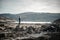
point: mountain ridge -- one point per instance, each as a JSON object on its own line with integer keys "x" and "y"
{"x": 33, "y": 16}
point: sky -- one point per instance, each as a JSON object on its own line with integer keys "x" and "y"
{"x": 19, "y": 6}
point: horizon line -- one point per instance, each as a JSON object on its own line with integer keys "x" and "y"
{"x": 25, "y": 12}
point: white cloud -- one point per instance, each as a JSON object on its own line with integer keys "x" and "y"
{"x": 18, "y": 6}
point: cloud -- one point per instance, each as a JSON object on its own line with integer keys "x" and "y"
{"x": 18, "y": 6}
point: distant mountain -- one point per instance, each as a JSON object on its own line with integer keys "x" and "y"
{"x": 11, "y": 16}
{"x": 33, "y": 16}
{"x": 5, "y": 19}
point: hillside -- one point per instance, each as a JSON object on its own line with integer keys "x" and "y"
{"x": 6, "y": 19}
{"x": 32, "y": 16}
